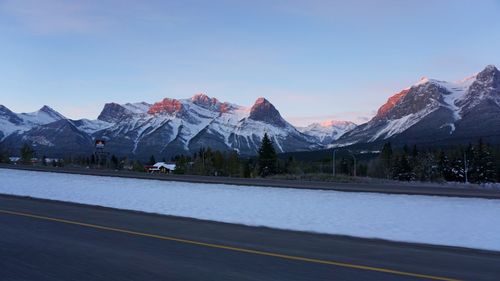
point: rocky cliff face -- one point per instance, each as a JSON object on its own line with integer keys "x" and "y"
{"x": 165, "y": 128}
{"x": 437, "y": 112}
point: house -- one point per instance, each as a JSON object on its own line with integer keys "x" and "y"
{"x": 161, "y": 167}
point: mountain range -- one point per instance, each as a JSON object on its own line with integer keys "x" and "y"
{"x": 430, "y": 112}
{"x": 167, "y": 128}
{"x": 434, "y": 112}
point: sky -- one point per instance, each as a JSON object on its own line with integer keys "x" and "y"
{"x": 314, "y": 60}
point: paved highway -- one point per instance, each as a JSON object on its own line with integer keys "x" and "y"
{"x": 48, "y": 240}
{"x": 378, "y": 187}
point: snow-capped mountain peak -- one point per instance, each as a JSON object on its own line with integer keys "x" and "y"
{"x": 264, "y": 111}
{"x": 432, "y": 109}
{"x": 44, "y": 115}
{"x": 327, "y": 131}
{"x": 166, "y": 106}
{"x": 11, "y": 122}
{"x": 214, "y": 104}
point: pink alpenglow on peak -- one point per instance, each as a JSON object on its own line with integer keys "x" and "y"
{"x": 167, "y": 105}
{"x": 211, "y": 103}
{"x": 335, "y": 123}
{"x": 203, "y": 99}
{"x": 391, "y": 102}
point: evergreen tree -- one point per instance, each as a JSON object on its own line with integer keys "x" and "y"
{"x": 414, "y": 152}
{"x": 444, "y": 167}
{"x": 27, "y": 153}
{"x": 152, "y": 160}
{"x": 137, "y": 166}
{"x": 482, "y": 165}
{"x": 114, "y": 162}
{"x": 2, "y": 154}
{"x": 344, "y": 166}
{"x": 248, "y": 167}
{"x": 181, "y": 163}
{"x": 267, "y": 157}
{"x": 233, "y": 164}
{"x": 385, "y": 158}
{"x": 403, "y": 170}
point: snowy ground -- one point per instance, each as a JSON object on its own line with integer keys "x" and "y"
{"x": 466, "y": 222}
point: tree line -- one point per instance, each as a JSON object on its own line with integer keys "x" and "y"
{"x": 475, "y": 163}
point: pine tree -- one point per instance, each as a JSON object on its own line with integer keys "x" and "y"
{"x": 114, "y": 161}
{"x": 234, "y": 164}
{"x": 444, "y": 166}
{"x": 403, "y": 170}
{"x": 137, "y": 166}
{"x": 267, "y": 157}
{"x": 482, "y": 165}
{"x": 152, "y": 160}
{"x": 386, "y": 159}
{"x": 26, "y": 154}
{"x": 180, "y": 164}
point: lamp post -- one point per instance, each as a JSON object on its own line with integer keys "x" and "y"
{"x": 466, "y": 167}
{"x": 353, "y": 157}
{"x": 333, "y": 162}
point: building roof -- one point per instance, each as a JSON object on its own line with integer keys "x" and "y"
{"x": 164, "y": 165}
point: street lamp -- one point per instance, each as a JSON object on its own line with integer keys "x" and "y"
{"x": 333, "y": 162}
{"x": 353, "y": 157}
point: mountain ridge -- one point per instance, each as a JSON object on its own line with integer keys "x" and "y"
{"x": 430, "y": 111}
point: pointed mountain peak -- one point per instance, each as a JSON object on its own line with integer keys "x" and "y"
{"x": 6, "y": 113}
{"x": 488, "y": 77}
{"x": 423, "y": 79}
{"x": 200, "y": 97}
{"x": 264, "y": 111}
{"x": 204, "y": 100}
{"x": 263, "y": 105}
{"x": 211, "y": 103}
{"x": 390, "y": 104}
{"x": 262, "y": 101}
{"x": 166, "y": 106}
{"x": 46, "y": 108}
{"x": 490, "y": 68}
{"x": 3, "y": 108}
{"x": 487, "y": 73}
{"x": 51, "y": 112}
{"x": 112, "y": 112}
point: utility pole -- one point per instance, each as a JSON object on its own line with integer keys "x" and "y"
{"x": 354, "y": 158}
{"x": 333, "y": 163}
{"x": 466, "y": 168}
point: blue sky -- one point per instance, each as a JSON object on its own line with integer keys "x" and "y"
{"x": 314, "y": 60}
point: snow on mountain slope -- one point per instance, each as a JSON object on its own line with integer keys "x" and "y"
{"x": 11, "y": 122}
{"x": 44, "y": 115}
{"x": 174, "y": 126}
{"x": 91, "y": 126}
{"x": 327, "y": 131}
{"x": 432, "y": 109}
{"x": 242, "y": 129}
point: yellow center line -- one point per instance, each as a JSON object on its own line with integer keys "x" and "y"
{"x": 230, "y": 248}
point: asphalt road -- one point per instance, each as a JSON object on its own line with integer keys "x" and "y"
{"x": 391, "y": 187}
{"x": 48, "y": 240}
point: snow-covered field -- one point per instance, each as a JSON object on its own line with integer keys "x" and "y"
{"x": 466, "y": 222}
